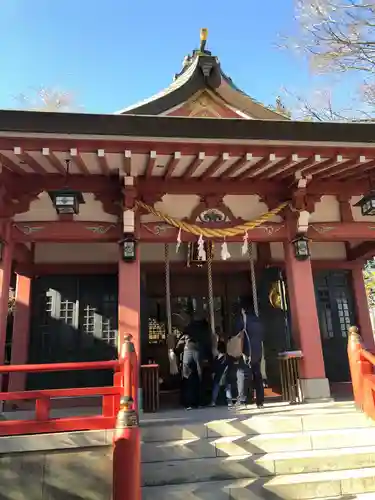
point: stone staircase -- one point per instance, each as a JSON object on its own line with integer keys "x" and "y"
{"x": 286, "y": 452}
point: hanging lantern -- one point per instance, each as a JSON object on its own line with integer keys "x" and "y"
{"x": 193, "y": 253}
{"x": 367, "y": 204}
{"x": 66, "y": 201}
{"x": 301, "y": 248}
{"x": 128, "y": 248}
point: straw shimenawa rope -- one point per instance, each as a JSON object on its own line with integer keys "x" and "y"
{"x": 209, "y": 232}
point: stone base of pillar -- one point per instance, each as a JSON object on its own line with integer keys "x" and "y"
{"x": 315, "y": 390}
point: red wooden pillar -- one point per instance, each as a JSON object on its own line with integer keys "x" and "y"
{"x": 129, "y": 289}
{"x": 5, "y": 276}
{"x": 21, "y": 329}
{"x": 305, "y": 325}
{"x": 362, "y": 309}
{"x": 129, "y": 301}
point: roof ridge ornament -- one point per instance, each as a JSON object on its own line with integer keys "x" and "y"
{"x": 203, "y": 39}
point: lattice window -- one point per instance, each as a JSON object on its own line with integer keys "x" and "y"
{"x": 343, "y": 312}
{"x": 67, "y": 311}
{"x": 88, "y": 325}
{"x": 109, "y": 319}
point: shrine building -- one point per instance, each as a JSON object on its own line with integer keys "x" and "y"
{"x": 181, "y": 204}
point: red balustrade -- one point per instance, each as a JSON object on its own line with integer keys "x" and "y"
{"x": 43, "y": 421}
{"x": 361, "y": 364}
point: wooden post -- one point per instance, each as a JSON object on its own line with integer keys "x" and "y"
{"x": 5, "y": 276}
{"x": 305, "y": 324}
{"x": 21, "y": 329}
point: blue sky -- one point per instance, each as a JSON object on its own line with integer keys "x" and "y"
{"x": 112, "y": 53}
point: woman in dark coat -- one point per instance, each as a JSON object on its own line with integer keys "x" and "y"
{"x": 195, "y": 346}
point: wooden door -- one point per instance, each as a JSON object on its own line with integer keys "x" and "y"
{"x": 74, "y": 318}
{"x": 336, "y": 314}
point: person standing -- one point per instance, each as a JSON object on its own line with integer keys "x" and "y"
{"x": 221, "y": 374}
{"x": 248, "y": 366}
{"x": 192, "y": 344}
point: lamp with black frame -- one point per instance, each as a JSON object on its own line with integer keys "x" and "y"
{"x": 66, "y": 201}
{"x": 128, "y": 247}
{"x": 301, "y": 247}
{"x": 367, "y": 203}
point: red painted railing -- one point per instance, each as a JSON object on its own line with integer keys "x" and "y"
{"x": 43, "y": 422}
{"x": 361, "y": 364}
{"x": 119, "y": 412}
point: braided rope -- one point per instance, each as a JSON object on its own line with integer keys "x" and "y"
{"x": 250, "y": 252}
{"x": 168, "y": 289}
{"x": 210, "y": 291}
{"x": 209, "y": 232}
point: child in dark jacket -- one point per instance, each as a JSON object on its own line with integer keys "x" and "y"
{"x": 221, "y": 374}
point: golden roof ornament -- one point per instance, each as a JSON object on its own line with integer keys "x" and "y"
{"x": 203, "y": 38}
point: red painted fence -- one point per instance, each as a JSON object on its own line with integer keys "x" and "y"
{"x": 361, "y": 364}
{"x": 43, "y": 422}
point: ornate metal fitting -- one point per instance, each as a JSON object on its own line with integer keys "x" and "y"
{"x": 127, "y": 418}
{"x": 354, "y": 334}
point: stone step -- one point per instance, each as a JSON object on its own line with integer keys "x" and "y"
{"x": 245, "y": 466}
{"x": 247, "y": 424}
{"x": 185, "y": 449}
{"x": 340, "y": 484}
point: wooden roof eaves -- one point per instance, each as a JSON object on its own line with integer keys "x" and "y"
{"x": 18, "y": 123}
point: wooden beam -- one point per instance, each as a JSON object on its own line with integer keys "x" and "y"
{"x": 102, "y": 161}
{"x": 280, "y": 166}
{"x": 90, "y": 184}
{"x": 215, "y": 165}
{"x": 78, "y": 162}
{"x": 29, "y": 160}
{"x": 343, "y": 167}
{"x": 150, "y": 163}
{"x": 11, "y": 166}
{"x": 341, "y": 231}
{"x": 236, "y": 166}
{"x": 160, "y": 232}
{"x": 194, "y": 165}
{"x": 255, "y": 169}
{"x": 54, "y": 161}
{"x": 66, "y": 232}
{"x": 300, "y": 166}
{"x": 364, "y": 250}
{"x": 127, "y": 162}
{"x": 323, "y": 166}
{"x": 171, "y": 166}
{"x": 216, "y": 185}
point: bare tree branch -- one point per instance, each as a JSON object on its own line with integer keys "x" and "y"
{"x": 48, "y": 99}
{"x": 337, "y": 36}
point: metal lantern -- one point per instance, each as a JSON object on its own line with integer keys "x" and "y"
{"x": 66, "y": 201}
{"x": 301, "y": 248}
{"x": 129, "y": 248}
{"x": 193, "y": 252}
{"x": 367, "y": 204}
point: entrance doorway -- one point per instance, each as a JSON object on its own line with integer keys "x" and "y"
{"x": 335, "y": 306}
{"x": 189, "y": 294}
